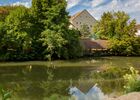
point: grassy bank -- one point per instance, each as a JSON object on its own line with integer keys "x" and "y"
{"x": 81, "y": 62}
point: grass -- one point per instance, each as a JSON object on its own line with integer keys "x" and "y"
{"x": 82, "y": 62}
{"x": 58, "y": 63}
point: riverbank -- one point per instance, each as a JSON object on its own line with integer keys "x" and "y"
{"x": 27, "y": 78}
{"x": 129, "y": 96}
{"x": 81, "y": 62}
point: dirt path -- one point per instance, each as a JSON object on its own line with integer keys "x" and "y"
{"x": 130, "y": 96}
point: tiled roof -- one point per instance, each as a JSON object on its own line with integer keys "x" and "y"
{"x": 3, "y": 11}
{"x": 138, "y": 26}
{"x": 79, "y": 13}
{"x": 94, "y": 44}
{"x": 75, "y": 15}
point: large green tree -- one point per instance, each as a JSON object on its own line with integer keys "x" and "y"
{"x": 17, "y": 40}
{"x": 120, "y": 31}
{"x": 5, "y": 10}
{"x": 115, "y": 25}
{"x": 128, "y": 46}
{"x": 56, "y": 37}
{"x": 39, "y": 32}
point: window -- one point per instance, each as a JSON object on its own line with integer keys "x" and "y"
{"x": 76, "y": 22}
{"x": 80, "y": 22}
{"x": 90, "y": 25}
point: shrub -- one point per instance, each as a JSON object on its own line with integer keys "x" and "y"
{"x": 127, "y": 46}
{"x": 132, "y": 81}
{"x": 110, "y": 72}
{"x": 5, "y": 94}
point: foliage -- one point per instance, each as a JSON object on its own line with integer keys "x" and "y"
{"x": 37, "y": 33}
{"x": 5, "y": 94}
{"x": 73, "y": 46}
{"x": 54, "y": 42}
{"x": 57, "y": 38}
{"x": 132, "y": 81}
{"x": 110, "y": 72}
{"x": 2, "y": 30}
{"x": 53, "y": 37}
{"x": 120, "y": 31}
{"x": 5, "y": 10}
{"x": 127, "y": 46}
{"x": 85, "y": 32}
{"x": 116, "y": 25}
{"x": 59, "y": 46}
{"x": 57, "y": 97}
{"x": 17, "y": 39}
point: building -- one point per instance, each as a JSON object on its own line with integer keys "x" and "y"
{"x": 82, "y": 18}
{"x": 138, "y": 30}
{"x": 91, "y": 46}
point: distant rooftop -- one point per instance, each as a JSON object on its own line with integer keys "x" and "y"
{"x": 138, "y": 26}
{"x": 94, "y": 44}
{"x": 79, "y": 13}
{"x": 75, "y": 15}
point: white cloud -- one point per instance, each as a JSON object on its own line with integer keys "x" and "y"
{"x": 97, "y": 2}
{"x": 131, "y": 7}
{"x": 86, "y": 4}
{"x": 72, "y": 3}
{"x": 25, "y": 3}
{"x": 137, "y": 4}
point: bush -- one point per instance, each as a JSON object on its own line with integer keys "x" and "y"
{"x": 5, "y": 94}
{"x": 110, "y": 72}
{"x": 132, "y": 81}
{"x": 127, "y": 46}
{"x": 57, "y": 97}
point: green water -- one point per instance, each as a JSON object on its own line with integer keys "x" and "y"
{"x": 36, "y": 80}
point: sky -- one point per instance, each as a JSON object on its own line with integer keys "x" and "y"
{"x": 95, "y": 7}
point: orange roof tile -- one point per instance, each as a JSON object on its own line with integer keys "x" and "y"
{"x": 94, "y": 44}
{"x": 75, "y": 15}
{"x": 138, "y": 26}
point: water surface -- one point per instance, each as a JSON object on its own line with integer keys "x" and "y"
{"x": 39, "y": 79}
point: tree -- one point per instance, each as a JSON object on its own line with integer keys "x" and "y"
{"x": 55, "y": 36}
{"x": 85, "y": 32}
{"x": 17, "y": 40}
{"x": 115, "y": 25}
{"x": 39, "y": 32}
{"x": 127, "y": 46}
{"x": 120, "y": 31}
{"x": 5, "y": 10}
{"x": 36, "y": 10}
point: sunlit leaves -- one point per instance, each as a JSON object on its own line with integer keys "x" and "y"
{"x": 115, "y": 25}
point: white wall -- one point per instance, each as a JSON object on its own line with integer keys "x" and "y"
{"x": 138, "y": 33}
{"x": 84, "y": 19}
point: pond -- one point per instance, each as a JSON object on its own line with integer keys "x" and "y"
{"x": 37, "y": 80}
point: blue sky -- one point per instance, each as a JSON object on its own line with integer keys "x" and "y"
{"x": 27, "y": 3}
{"x": 95, "y": 7}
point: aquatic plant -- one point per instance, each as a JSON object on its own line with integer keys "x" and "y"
{"x": 109, "y": 72}
{"x": 5, "y": 94}
{"x": 132, "y": 81}
{"x": 56, "y": 97}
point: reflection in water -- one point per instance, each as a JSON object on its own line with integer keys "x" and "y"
{"x": 94, "y": 93}
{"x": 77, "y": 94}
{"x": 38, "y": 82}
